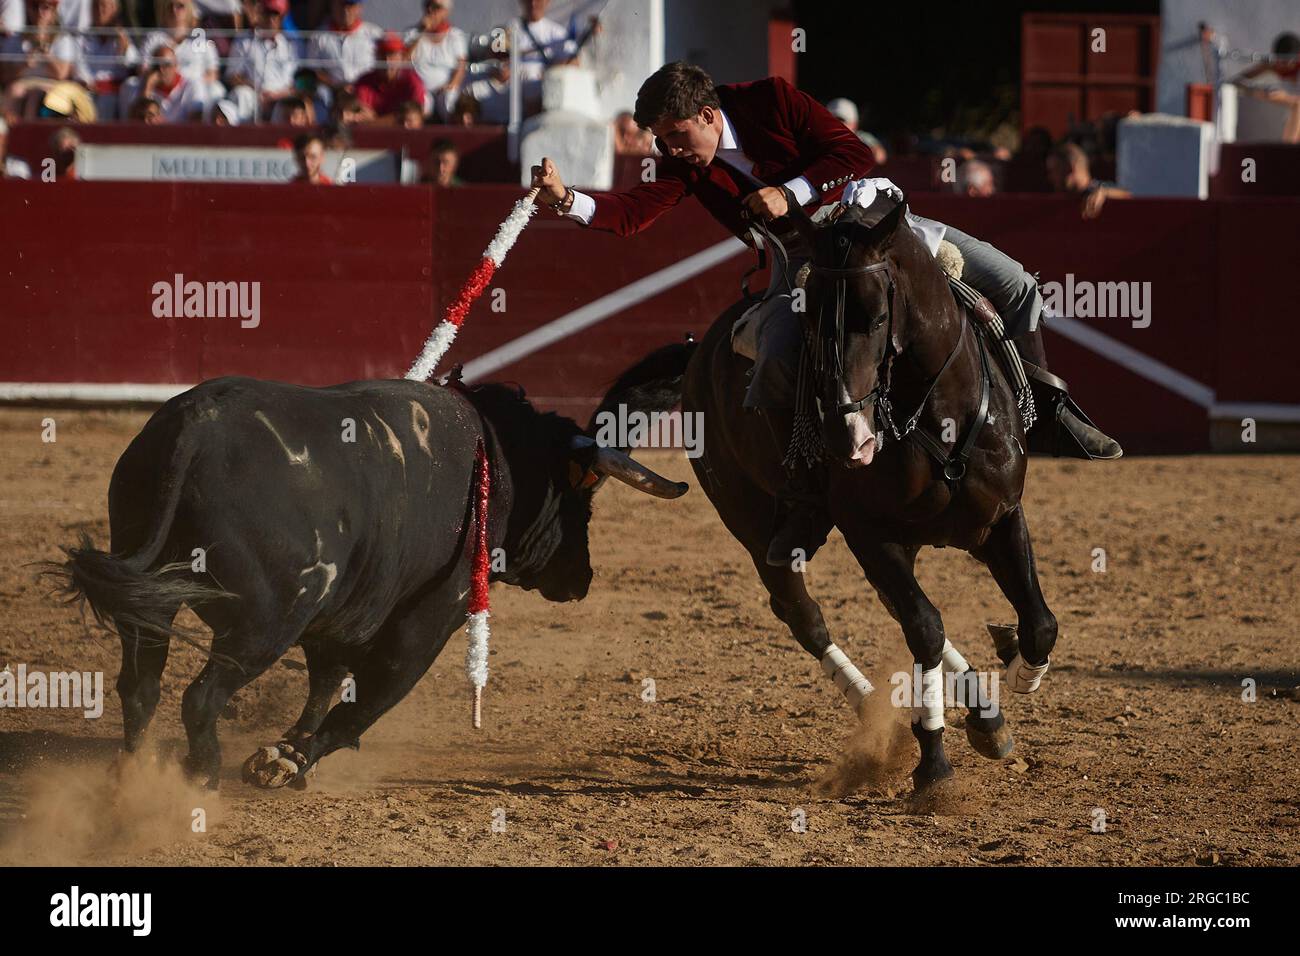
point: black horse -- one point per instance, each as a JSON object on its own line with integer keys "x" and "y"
{"x": 923, "y": 445}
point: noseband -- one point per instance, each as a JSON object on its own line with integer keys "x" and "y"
{"x": 829, "y": 358}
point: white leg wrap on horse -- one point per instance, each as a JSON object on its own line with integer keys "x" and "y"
{"x": 932, "y": 698}
{"x": 851, "y": 682}
{"x": 1025, "y": 678}
{"x": 952, "y": 659}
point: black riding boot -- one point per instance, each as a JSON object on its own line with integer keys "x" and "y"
{"x": 1091, "y": 439}
{"x": 801, "y": 522}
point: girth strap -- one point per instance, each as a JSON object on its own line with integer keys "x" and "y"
{"x": 954, "y": 465}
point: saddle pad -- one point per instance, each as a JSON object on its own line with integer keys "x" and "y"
{"x": 745, "y": 330}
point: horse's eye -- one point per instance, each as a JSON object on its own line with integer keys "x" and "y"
{"x": 878, "y": 321}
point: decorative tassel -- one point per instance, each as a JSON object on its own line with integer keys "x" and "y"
{"x": 453, "y": 318}
{"x": 476, "y": 655}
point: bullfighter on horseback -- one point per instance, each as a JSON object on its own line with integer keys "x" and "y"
{"x": 761, "y": 151}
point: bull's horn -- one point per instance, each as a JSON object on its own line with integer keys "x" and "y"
{"x": 619, "y": 464}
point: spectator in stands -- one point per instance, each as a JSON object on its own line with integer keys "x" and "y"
{"x": 295, "y": 111}
{"x": 180, "y": 100}
{"x": 441, "y": 164}
{"x": 224, "y": 113}
{"x": 349, "y": 110}
{"x": 387, "y": 87}
{"x": 440, "y": 54}
{"x": 146, "y": 110}
{"x": 68, "y": 101}
{"x": 337, "y": 138}
{"x": 107, "y": 59}
{"x": 1026, "y": 173}
{"x": 630, "y": 139}
{"x": 1068, "y": 172}
{"x": 975, "y": 178}
{"x": 466, "y": 111}
{"x": 411, "y": 115}
{"x": 309, "y": 153}
{"x": 10, "y": 167}
{"x": 1287, "y": 91}
{"x": 63, "y": 150}
{"x": 196, "y": 58}
{"x": 48, "y": 56}
{"x": 262, "y": 66}
{"x": 348, "y": 48}
{"x": 543, "y": 43}
{"x": 846, "y": 111}
{"x": 13, "y": 17}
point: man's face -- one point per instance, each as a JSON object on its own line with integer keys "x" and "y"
{"x": 270, "y": 19}
{"x": 694, "y": 140}
{"x": 446, "y": 163}
{"x": 167, "y": 66}
{"x": 105, "y": 10}
{"x": 352, "y": 13}
{"x": 437, "y": 12}
{"x": 310, "y": 158}
{"x": 393, "y": 63}
{"x": 534, "y": 10}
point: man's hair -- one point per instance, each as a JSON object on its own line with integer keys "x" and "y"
{"x": 675, "y": 91}
{"x": 443, "y": 146}
{"x": 303, "y": 140}
{"x": 1286, "y": 44}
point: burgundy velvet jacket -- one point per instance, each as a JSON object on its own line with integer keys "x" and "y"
{"x": 784, "y": 131}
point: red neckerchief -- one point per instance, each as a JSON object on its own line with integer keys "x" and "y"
{"x": 441, "y": 28}
{"x": 168, "y": 90}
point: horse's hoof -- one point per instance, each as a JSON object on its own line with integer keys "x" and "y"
{"x": 928, "y": 778}
{"x": 270, "y": 767}
{"x": 993, "y": 743}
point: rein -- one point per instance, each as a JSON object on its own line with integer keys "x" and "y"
{"x": 953, "y": 465}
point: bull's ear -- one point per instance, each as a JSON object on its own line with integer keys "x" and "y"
{"x": 582, "y": 462}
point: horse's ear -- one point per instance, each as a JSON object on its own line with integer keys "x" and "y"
{"x": 884, "y": 233}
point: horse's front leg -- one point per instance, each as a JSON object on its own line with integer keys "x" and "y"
{"x": 1010, "y": 557}
{"x": 889, "y": 568}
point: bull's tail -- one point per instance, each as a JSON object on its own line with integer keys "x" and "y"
{"x": 126, "y": 591}
{"x": 653, "y": 384}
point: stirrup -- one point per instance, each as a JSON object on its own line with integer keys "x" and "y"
{"x": 1049, "y": 436}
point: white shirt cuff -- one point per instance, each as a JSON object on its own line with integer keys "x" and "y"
{"x": 803, "y": 190}
{"x": 584, "y": 207}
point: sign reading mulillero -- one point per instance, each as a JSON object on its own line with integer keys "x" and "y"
{"x": 227, "y": 164}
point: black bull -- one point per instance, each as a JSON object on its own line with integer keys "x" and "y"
{"x": 340, "y": 518}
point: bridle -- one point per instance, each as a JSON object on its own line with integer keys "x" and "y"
{"x": 828, "y": 359}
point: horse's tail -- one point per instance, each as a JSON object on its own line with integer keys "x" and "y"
{"x": 653, "y": 384}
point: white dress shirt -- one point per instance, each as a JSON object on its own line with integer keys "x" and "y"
{"x": 730, "y": 152}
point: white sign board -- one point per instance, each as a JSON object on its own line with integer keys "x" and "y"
{"x": 229, "y": 164}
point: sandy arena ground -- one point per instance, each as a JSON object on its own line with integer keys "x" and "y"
{"x": 1141, "y": 715}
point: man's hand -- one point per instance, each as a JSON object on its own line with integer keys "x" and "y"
{"x": 767, "y": 203}
{"x": 547, "y": 178}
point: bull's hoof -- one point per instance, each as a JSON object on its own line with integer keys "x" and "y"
{"x": 273, "y": 767}
{"x": 989, "y": 736}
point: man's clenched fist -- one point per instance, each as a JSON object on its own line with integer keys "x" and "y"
{"x": 767, "y": 203}
{"x": 547, "y": 178}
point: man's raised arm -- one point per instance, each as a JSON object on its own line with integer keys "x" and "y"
{"x": 624, "y": 213}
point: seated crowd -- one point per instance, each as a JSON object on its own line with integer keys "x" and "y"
{"x": 76, "y": 60}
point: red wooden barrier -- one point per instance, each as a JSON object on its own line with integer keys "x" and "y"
{"x": 353, "y": 279}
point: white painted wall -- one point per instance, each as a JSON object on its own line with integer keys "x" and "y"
{"x": 1248, "y": 24}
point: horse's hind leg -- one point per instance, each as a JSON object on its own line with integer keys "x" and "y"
{"x": 1010, "y": 557}
{"x": 889, "y": 569}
